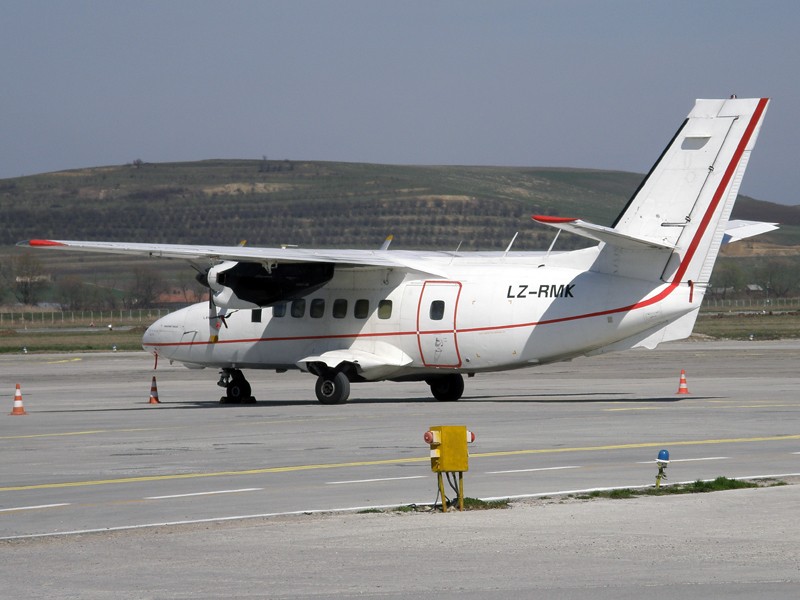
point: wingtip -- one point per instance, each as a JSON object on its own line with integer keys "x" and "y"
{"x": 40, "y": 243}
{"x": 549, "y": 219}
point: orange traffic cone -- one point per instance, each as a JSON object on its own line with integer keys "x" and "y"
{"x": 682, "y": 387}
{"x": 18, "y": 408}
{"x": 154, "y": 392}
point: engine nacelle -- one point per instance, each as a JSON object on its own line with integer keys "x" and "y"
{"x": 245, "y": 285}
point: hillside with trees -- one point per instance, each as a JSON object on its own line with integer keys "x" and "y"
{"x": 309, "y": 204}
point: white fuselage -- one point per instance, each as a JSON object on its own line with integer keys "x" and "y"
{"x": 483, "y": 315}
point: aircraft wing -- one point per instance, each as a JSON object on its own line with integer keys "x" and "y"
{"x": 418, "y": 261}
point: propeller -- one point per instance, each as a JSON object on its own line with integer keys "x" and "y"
{"x": 213, "y": 315}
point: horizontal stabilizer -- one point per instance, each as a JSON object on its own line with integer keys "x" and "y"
{"x": 739, "y": 230}
{"x": 600, "y": 233}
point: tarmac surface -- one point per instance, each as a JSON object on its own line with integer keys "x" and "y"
{"x": 103, "y": 495}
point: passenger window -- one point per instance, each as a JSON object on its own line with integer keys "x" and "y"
{"x": 339, "y": 308}
{"x": 255, "y": 315}
{"x": 298, "y": 308}
{"x": 317, "y": 308}
{"x": 362, "y": 309}
{"x": 384, "y": 309}
{"x": 279, "y": 310}
{"x": 437, "y": 310}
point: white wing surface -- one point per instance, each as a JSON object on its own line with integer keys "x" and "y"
{"x": 424, "y": 262}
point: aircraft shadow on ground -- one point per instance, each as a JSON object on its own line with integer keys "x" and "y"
{"x": 601, "y": 398}
{"x": 580, "y": 398}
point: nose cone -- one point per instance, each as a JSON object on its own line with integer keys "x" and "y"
{"x": 164, "y": 335}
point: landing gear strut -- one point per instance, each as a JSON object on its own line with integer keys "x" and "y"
{"x": 447, "y": 388}
{"x": 237, "y": 388}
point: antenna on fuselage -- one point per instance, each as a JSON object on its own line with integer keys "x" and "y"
{"x": 453, "y": 255}
{"x": 511, "y": 243}
{"x": 553, "y": 243}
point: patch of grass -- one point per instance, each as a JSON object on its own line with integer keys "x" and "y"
{"x": 469, "y": 504}
{"x": 738, "y": 326}
{"x": 621, "y": 494}
{"x": 99, "y": 340}
{"x": 478, "y": 504}
{"x": 698, "y": 487}
{"x": 720, "y": 484}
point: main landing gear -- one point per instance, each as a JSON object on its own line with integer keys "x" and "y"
{"x": 446, "y": 388}
{"x": 237, "y": 388}
{"x": 333, "y": 387}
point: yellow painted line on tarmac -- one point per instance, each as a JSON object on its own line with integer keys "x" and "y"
{"x": 69, "y": 433}
{"x": 635, "y": 408}
{"x": 773, "y": 438}
{"x": 766, "y": 406}
{"x": 101, "y": 431}
{"x": 66, "y": 360}
{"x": 390, "y": 461}
{"x": 67, "y": 484}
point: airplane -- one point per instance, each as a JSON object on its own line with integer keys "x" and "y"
{"x": 349, "y": 316}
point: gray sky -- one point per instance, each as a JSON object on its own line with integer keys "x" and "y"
{"x": 600, "y": 84}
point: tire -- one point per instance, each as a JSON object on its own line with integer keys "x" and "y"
{"x": 238, "y": 390}
{"x": 447, "y": 388}
{"x": 333, "y": 388}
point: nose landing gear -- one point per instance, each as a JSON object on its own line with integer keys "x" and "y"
{"x": 237, "y": 388}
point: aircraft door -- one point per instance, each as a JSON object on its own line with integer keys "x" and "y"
{"x": 437, "y": 313}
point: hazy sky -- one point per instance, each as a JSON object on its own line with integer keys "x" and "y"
{"x": 600, "y": 84}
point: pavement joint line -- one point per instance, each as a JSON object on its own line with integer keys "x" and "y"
{"x": 208, "y": 520}
{"x": 390, "y": 461}
{"x": 338, "y": 510}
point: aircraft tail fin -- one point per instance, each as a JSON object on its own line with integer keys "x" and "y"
{"x": 685, "y": 201}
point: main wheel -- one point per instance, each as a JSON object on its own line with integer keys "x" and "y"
{"x": 447, "y": 388}
{"x": 333, "y": 388}
{"x": 238, "y": 390}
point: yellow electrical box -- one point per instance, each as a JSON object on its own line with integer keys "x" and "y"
{"x": 448, "y": 448}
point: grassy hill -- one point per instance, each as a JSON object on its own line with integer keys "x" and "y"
{"x": 321, "y": 204}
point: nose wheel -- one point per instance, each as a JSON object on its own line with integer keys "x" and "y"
{"x": 237, "y": 388}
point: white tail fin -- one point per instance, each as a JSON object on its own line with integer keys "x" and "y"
{"x": 687, "y": 197}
